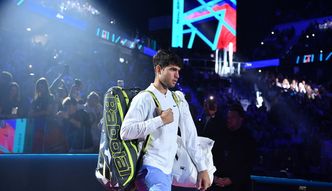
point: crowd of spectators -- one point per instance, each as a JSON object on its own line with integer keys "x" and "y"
{"x": 291, "y": 125}
{"x": 60, "y": 89}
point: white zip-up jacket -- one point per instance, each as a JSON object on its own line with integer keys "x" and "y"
{"x": 141, "y": 120}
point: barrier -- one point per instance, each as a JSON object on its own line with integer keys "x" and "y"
{"x": 260, "y": 183}
{"x": 48, "y": 172}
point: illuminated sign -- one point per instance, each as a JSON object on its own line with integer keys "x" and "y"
{"x": 310, "y": 58}
{"x": 197, "y": 21}
{"x": 118, "y": 39}
{"x": 261, "y": 64}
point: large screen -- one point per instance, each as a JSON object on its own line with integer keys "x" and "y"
{"x": 12, "y": 135}
{"x": 213, "y": 21}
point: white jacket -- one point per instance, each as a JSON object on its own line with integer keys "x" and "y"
{"x": 141, "y": 120}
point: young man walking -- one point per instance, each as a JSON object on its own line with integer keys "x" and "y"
{"x": 143, "y": 119}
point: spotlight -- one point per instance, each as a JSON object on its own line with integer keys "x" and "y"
{"x": 307, "y": 36}
{"x": 272, "y": 32}
{"x": 321, "y": 51}
{"x": 28, "y": 29}
{"x": 313, "y": 35}
{"x": 30, "y": 66}
{"x": 59, "y": 16}
{"x": 259, "y": 71}
{"x": 112, "y": 21}
{"x": 132, "y": 45}
{"x": 121, "y": 60}
{"x": 262, "y": 43}
{"x": 211, "y": 98}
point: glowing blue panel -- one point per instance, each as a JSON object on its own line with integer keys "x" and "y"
{"x": 261, "y": 64}
{"x": 222, "y": 11}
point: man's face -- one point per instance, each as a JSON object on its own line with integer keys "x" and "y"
{"x": 234, "y": 120}
{"x": 169, "y": 75}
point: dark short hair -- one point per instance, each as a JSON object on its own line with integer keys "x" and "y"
{"x": 237, "y": 108}
{"x": 163, "y": 58}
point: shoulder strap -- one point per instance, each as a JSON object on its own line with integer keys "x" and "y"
{"x": 147, "y": 140}
{"x": 154, "y": 98}
{"x": 125, "y": 95}
{"x": 176, "y": 99}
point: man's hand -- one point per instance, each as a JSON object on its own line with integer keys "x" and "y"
{"x": 222, "y": 182}
{"x": 203, "y": 180}
{"x": 166, "y": 116}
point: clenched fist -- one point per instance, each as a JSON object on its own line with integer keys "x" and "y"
{"x": 166, "y": 116}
